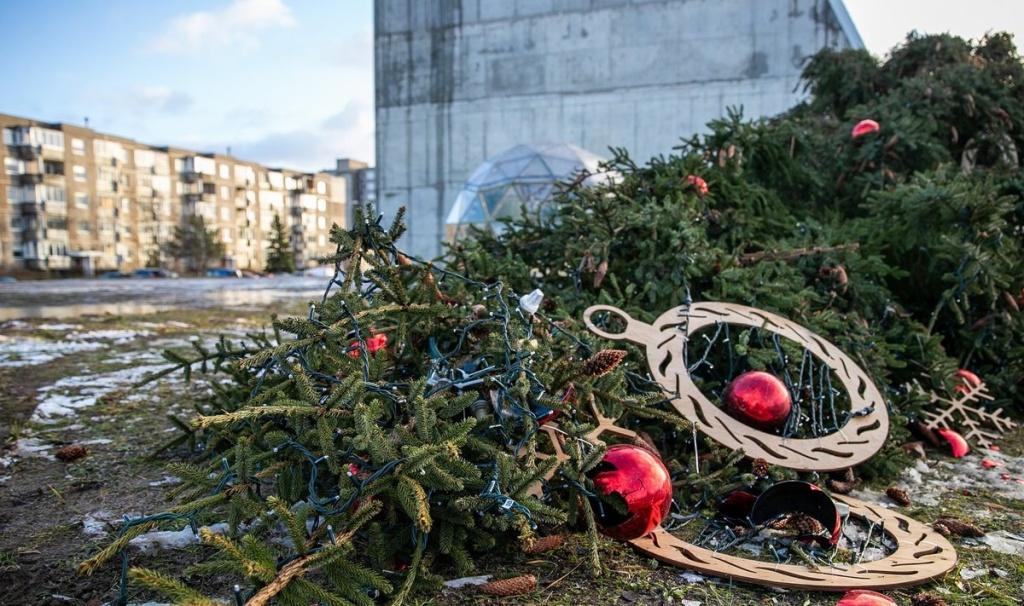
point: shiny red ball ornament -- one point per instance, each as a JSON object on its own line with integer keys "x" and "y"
{"x": 758, "y": 399}
{"x": 957, "y": 444}
{"x": 639, "y": 477}
{"x": 865, "y": 597}
{"x": 864, "y": 127}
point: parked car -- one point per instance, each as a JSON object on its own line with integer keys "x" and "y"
{"x": 114, "y": 275}
{"x": 153, "y": 272}
{"x": 223, "y": 272}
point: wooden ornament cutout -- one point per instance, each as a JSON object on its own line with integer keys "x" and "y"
{"x": 856, "y": 441}
{"x": 921, "y": 553}
{"x": 979, "y": 425}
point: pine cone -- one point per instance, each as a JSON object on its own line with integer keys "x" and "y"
{"x": 510, "y": 587}
{"x": 760, "y": 468}
{"x": 840, "y": 487}
{"x": 72, "y": 452}
{"x": 543, "y": 544}
{"x": 603, "y": 362}
{"x": 940, "y": 528}
{"x": 800, "y": 523}
{"x": 961, "y": 528}
{"x": 848, "y": 475}
{"x": 927, "y": 599}
{"x": 899, "y": 495}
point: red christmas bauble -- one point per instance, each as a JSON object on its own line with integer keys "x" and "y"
{"x": 759, "y": 399}
{"x": 864, "y": 127}
{"x": 641, "y": 479}
{"x": 865, "y": 597}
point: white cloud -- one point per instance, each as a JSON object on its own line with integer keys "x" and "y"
{"x": 236, "y": 24}
{"x": 162, "y": 99}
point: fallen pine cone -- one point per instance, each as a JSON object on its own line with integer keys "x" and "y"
{"x": 961, "y": 528}
{"x": 72, "y": 452}
{"x": 927, "y": 599}
{"x": 940, "y": 528}
{"x": 603, "y": 362}
{"x": 798, "y": 522}
{"x": 510, "y": 587}
{"x": 899, "y": 495}
{"x": 545, "y": 544}
{"x": 760, "y": 468}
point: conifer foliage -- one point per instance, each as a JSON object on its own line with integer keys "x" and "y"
{"x": 345, "y": 472}
{"x": 280, "y": 256}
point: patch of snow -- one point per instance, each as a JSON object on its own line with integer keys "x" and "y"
{"x": 172, "y": 539}
{"x": 97, "y": 441}
{"x": 166, "y": 481}
{"x": 467, "y": 581}
{"x": 3, "y": 479}
{"x": 59, "y": 326}
{"x": 95, "y": 524}
{"x": 116, "y": 336}
{"x": 1004, "y": 542}
{"x": 691, "y": 578}
{"x": 16, "y": 352}
{"x": 32, "y": 447}
{"x": 68, "y": 395}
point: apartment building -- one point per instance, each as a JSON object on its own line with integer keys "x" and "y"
{"x": 361, "y": 179}
{"x": 74, "y": 200}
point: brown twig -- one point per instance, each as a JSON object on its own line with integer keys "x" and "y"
{"x": 790, "y": 255}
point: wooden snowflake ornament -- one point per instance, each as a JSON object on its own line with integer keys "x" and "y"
{"x": 962, "y": 412}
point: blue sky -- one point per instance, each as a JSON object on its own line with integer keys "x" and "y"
{"x": 285, "y": 82}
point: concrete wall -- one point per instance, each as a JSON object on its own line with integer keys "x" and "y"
{"x": 461, "y": 80}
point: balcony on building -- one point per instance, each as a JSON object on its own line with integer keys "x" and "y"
{"x": 28, "y": 179}
{"x": 25, "y": 151}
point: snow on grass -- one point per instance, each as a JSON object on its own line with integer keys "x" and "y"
{"x": 116, "y": 336}
{"x": 16, "y": 352}
{"x": 173, "y": 539}
{"x": 70, "y": 394}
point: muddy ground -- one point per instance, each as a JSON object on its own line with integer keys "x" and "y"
{"x": 69, "y": 381}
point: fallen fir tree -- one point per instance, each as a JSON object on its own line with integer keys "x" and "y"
{"x": 390, "y": 437}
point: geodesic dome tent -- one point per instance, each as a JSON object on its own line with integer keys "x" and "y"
{"x": 515, "y": 181}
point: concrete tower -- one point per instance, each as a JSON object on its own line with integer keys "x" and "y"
{"x": 461, "y": 80}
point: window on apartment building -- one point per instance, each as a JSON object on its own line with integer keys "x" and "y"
{"x": 13, "y": 194}
{"x": 9, "y": 137}
{"x": 81, "y": 200}
{"x": 321, "y": 205}
{"x": 56, "y": 222}
{"x": 225, "y": 171}
{"x": 53, "y": 168}
{"x": 78, "y": 146}
{"x": 57, "y": 194}
{"x": 209, "y": 188}
{"x": 51, "y": 138}
{"x": 322, "y": 240}
{"x": 225, "y": 214}
{"x": 16, "y": 223}
{"x": 84, "y": 226}
{"x": 80, "y": 173}
{"x": 14, "y": 166}
{"x": 126, "y": 204}
{"x": 321, "y": 223}
{"x": 225, "y": 191}
{"x": 321, "y": 187}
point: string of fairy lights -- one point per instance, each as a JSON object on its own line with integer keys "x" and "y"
{"x": 812, "y": 385}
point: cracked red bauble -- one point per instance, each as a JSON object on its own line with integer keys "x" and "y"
{"x": 758, "y": 399}
{"x": 641, "y": 479}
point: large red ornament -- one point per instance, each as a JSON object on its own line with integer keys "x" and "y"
{"x": 641, "y": 479}
{"x": 759, "y": 399}
{"x": 865, "y": 597}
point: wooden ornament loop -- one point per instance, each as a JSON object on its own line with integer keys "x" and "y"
{"x": 857, "y": 440}
{"x": 921, "y": 555}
